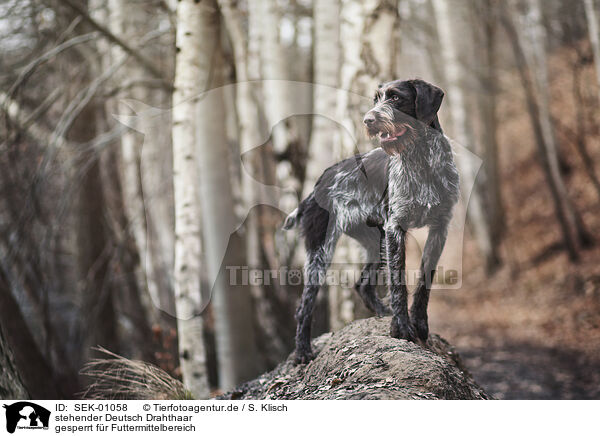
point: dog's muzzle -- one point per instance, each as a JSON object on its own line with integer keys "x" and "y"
{"x": 386, "y": 130}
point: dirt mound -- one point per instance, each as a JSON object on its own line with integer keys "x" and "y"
{"x": 362, "y": 361}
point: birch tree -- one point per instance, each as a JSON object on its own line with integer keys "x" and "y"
{"x": 236, "y": 352}
{"x": 145, "y": 162}
{"x": 189, "y": 71}
{"x": 124, "y": 18}
{"x": 321, "y": 154}
{"x": 591, "y": 14}
{"x": 273, "y": 66}
{"x": 246, "y": 56}
{"x": 485, "y": 30}
{"x": 277, "y": 96}
{"x": 326, "y": 72}
{"x": 448, "y": 31}
{"x": 369, "y": 41}
{"x": 260, "y": 163}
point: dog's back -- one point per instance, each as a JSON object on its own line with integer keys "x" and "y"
{"x": 351, "y": 192}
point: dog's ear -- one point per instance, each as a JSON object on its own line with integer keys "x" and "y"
{"x": 428, "y": 99}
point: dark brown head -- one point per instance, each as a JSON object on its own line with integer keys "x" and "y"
{"x": 402, "y": 112}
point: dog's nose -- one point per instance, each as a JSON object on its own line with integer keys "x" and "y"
{"x": 369, "y": 119}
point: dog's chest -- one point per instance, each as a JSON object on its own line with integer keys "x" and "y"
{"x": 415, "y": 194}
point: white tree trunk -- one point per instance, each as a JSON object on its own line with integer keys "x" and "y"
{"x": 462, "y": 133}
{"x": 591, "y": 14}
{"x": 236, "y": 352}
{"x": 369, "y": 43}
{"x": 146, "y": 164}
{"x": 271, "y": 101}
{"x": 123, "y": 20}
{"x": 249, "y": 122}
{"x": 486, "y": 36}
{"x": 255, "y": 24}
{"x": 277, "y": 95}
{"x": 321, "y": 154}
{"x": 273, "y": 65}
{"x": 326, "y": 72}
{"x": 189, "y": 71}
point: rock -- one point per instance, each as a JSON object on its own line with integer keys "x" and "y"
{"x": 362, "y": 361}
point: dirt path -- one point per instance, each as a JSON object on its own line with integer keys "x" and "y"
{"x": 534, "y": 336}
{"x": 529, "y": 371}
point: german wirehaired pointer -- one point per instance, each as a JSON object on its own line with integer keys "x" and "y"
{"x": 375, "y": 197}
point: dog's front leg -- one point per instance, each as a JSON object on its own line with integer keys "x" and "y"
{"x": 395, "y": 238}
{"x": 431, "y": 255}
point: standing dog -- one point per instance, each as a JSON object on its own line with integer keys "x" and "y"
{"x": 410, "y": 182}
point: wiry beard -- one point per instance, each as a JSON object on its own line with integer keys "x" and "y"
{"x": 394, "y": 138}
{"x": 393, "y": 132}
{"x": 401, "y": 143}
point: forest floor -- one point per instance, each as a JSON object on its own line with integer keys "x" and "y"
{"x": 534, "y": 337}
{"x": 532, "y": 329}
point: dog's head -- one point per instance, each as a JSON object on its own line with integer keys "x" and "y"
{"x": 402, "y": 112}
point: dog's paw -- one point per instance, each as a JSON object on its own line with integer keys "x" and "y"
{"x": 402, "y": 330}
{"x": 303, "y": 357}
{"x": 421, "y": 327}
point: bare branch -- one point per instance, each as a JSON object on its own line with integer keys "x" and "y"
{"x": 30, "y": 68}
{"x": 146, "y": 63}
{"x": 16, "y": 114}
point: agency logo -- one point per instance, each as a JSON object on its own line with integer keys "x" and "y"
{"x": 26, "y": 415}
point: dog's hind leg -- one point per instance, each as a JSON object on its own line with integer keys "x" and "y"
{"x": 366, "y": 287}
{"x": 371, "y": 239}
{"x": 315, "y": 269}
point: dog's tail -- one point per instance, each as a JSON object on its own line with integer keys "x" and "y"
{"x": 291, "y": 220}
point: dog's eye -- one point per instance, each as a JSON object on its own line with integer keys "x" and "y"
{"x": 395, "y": 98}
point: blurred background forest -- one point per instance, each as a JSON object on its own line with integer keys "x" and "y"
{"x": 118, "y": 184}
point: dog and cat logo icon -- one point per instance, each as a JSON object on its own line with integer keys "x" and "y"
{"x": 26, "y": 415}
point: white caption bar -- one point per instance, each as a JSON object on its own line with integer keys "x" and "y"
{"x": 43, "y": 418}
